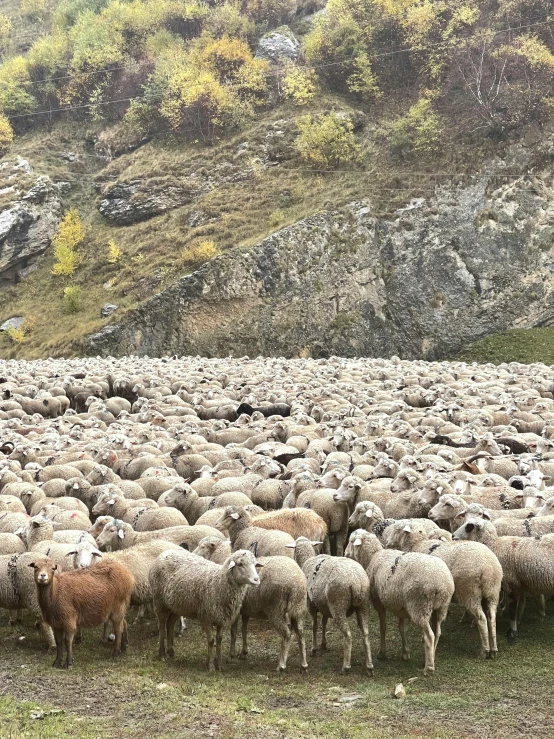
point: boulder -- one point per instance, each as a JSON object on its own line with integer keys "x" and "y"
{"x": 278, "y": 47}
{"x": 108, "y": 309}
{"x": 14, "y": 322}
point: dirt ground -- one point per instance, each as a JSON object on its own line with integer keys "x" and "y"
{"x": 139, "y": 696}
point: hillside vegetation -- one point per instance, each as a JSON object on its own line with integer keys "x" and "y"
{"x": 381, "y": 99}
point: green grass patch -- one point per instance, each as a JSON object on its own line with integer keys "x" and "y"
{"x": 526, "y": 345}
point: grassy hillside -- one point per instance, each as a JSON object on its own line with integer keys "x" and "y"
{"x": 269, "y": 143}
{"x": 519, "y": 345}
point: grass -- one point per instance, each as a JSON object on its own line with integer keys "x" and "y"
{"x": 467, "y": 698}
{"x": 517, "y": 345}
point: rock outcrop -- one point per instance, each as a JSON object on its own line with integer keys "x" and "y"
{"x": 278, "y": 46}
{"x": 137, "y": 200}
{"x": 27, "y": 220}
{"x": 437, "y": 275}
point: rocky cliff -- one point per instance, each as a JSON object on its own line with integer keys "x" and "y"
{"x": 438, "y": 274}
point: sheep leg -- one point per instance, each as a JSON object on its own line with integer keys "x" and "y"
{"x": 429, "y": 641}
{"x": 59, "y": 637}
{"x": 69, "y": 636}
{"x": 170, "y": 634}
{"x": 491, "y": 624}
{"x": 314, "y": 630}
{"x": 182, "y": 626}
{"x": 514, "y": 608}
{"x": 327, "y": 545}
{"x": 402, "y": 630}
{"x": 381, "y": 612}
{"x": 482, "y": 624}
{"x": 48, "y": 635}
{"x": 437, "y": 618}
{"x": 218, "y": 642}
{"x": 340, "y": 540}
{"x": 211, "y": 641}
{"x": 285, "y": 633}
{"x": 244, "y": 653}
{"x": 298, "y": 627}
{"x": 342, "y": 624}
{"x": 361, "y": 617}
{"x": 541, "y": 606}
{"x": 140, "y": 614}
{"x": 324, "y": 620}
{"x": 232, "y": 648}
{"x": 162, "y": 616}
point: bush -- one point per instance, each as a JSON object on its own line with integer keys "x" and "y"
{"x": 326, "y": 141}
{"x": 72, "y": 299}
{"x": 33, "y": 9}
{"x": 6, "y": 135}
{"x": 16, "y": 335}
{"x": 299, "y": 85}
{"x": 69, "y": 235}
{"x": 200, "y": 253}
{"x": 114, "y": 252}
{"x": 420, "y": 130}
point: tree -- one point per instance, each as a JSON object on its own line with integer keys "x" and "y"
{"x": 69, "y": 235}
{"x": 6, "y": 135}
{"x": 419, "y": 130}
{"x": 326, "y": 141}
{"x": 299, "y": 84}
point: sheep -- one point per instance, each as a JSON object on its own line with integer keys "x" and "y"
{"x": 137, "y": 560}
{"x": 82, "y": 599}
{"x": 536, "y": 526}
{"x": 40, "y": 529}
{"x": 11, "y": 544}
{"x": 281, "y": 599}
{"x": 187, "y": 500}
{"x": 10, "y": 522}
{"x": 527, "y": 563}
{"x": 336, "y": 588}
{"x": 214, "y": 549}
{"x": 66, "y": 519}
{"x": 411, "y": 585}
{"x": 120, "y": 535}
{"x": 244, "y": 535}
{"x": 185, "y": 585}
{"x": 295, "y": 521}
{"x": 476, "y": 572}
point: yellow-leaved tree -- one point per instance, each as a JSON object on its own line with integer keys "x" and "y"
{"x": 6, "y": 135}
{"x": 69, "y": 235}
{"x": 327, "y": 140}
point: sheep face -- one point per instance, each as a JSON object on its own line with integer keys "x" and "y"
{"x": 471, "y": 530}
{"x": 44, "y": 569}
{"x": 242, "y": 568}
{"x": 447, "y": 509}
{"x": 348, "y": 491}
{"x": 84, "y": 555}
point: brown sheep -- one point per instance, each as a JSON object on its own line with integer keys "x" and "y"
{"x": 82, "y": 599}
{"x": 295, "y": 521}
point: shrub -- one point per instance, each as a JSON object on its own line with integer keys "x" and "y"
{"x": 6, "y": 135}
{"x": 5, "y": 28}
{"x": 16, "y": 335}
{"x": 200, "y": 253}
{"x": 326, "y": 141}
{"x": 277, "y": 217}
{"x": 420, "y": 130}
{"x": 114, "y": 252}
{"x": 69, "y": 235}
{"x": 72, "y": 299}
{"x": 299, "y": 85}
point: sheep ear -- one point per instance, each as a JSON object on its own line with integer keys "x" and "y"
{"x": 443, "y": 538}
{"x": 407, "y": 529}
{"x": 71, "y": 551}
{"x": 357, "y": 542}
{"x": 96, "y": 552}
{"x": 291, "y": 546}
{"x": 440, "y": 489}
{"x": 235, "y": 516}
{"x": 75, "y": 486}
{"x": 31, "y": 564}
{"x": 316, "y": 543}
{"x": 369, "y": 513}
{"x": 232, "y": 563}
{"x": 258, "y": 565}
{"x": 121, "y": 533}
{"x": 487, "y": 515}
{"x": 111, "y": 501}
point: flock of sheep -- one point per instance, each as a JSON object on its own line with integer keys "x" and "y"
{"x": 225, "y": 490}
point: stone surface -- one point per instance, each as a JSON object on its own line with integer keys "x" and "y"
{"x": 29, "y": 221}
{"x": 15, "y": 322}
{"x": 278, "y": 47}
{"x": 108, "y": 309}
{"x": 437, "y": 275}
{"x": 137, "y": 200}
